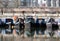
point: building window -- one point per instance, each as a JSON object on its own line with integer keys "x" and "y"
{"x": 59, "y": 3}
{"x": 53, "y": 12}
{"x": 54, "y": 3}
{"x": 58, "y": 12}
{"x": 23, "y": 3}
{"x": 22, "y": 0}
{"x": 48, "y": 2}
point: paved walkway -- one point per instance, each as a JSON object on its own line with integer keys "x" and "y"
{"x": 19, "y": 38}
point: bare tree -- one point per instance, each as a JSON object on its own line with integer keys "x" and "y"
{"x": 4, "y": 3}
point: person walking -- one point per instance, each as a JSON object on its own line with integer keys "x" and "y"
{"x": 15, "y": 23}
{"x": 43, "y": 26}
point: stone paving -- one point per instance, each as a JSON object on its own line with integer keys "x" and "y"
{"x": 11, "y": 37}
{"x": 19, "y": 38}
{"x": 39, "y": 39}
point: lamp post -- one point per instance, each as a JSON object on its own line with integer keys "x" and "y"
{"x": 2, "y": 11}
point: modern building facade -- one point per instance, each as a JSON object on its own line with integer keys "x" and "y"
{"x": 29, "y": 3}
{"x": 53, "y": 3}
{"x": 19, "y": 3}
{"x": 8, "y": 3}
{"x": 47, "y": 11}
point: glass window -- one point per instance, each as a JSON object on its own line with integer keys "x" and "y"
{"x": 23, "y": 3}
{"x": 59, "y": 12}
{"x": 22, "y": 0}
{"x": 54, "y": 3}
{"x": 53, "y": 12}
{"x": 48, "y": 2}
{"x": 59, "y": 3}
